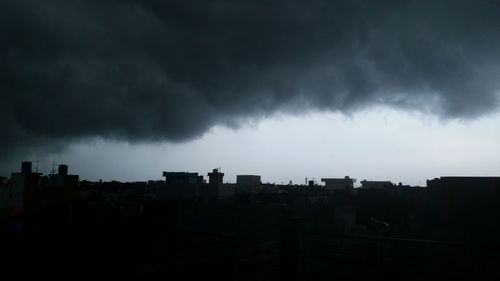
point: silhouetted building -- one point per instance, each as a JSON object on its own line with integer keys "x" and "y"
{"x": 26, "y": 167}
{"x": 216, "y": 190}
{"x": 180, "y": 186}
{"x": 21, "y": 192}
{"x": 62, "y": 170}
{"x": 339, "y": 183}
{"x": 249, "y": 184}
{"x": 468, "y": 182}
{"x": 182, "y": 178}
{"x": 464, "y": 208}
{"x": 226, "y": 191}
{"x": 62, "y": 179}
{"x": 5, "y": 192}
{"x": 376, "y": 184}
{"x": 215, "y": 178}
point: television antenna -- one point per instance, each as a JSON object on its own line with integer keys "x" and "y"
{"x": 36, "y": 167}
{"x": 54, "y": 164}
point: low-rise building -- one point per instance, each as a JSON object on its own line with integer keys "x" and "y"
{"x": 376, "y": 184}
{"x": 345, "y": 183}
{"x": 180, "y": 185}
{"x": 248, "y": 184}
{"x": 177, "y": 178}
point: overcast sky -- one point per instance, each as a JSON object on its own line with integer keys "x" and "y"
{"x": 399, "y": 90}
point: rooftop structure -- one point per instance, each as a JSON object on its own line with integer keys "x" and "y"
{"x": 62, "y": 178}
{"x": 215, "y": 177}
{"x": 376, "y": 184}
{"x": 182, "y": 178}
{"x": 458, "y": 182}
{"x": 250, "y": 184}
{"x": 339, "y": 183}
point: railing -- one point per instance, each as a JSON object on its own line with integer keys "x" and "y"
{"x": 224, "y": 257}
{"x": 294, "y": 254}
{"x": 351, "y": 257}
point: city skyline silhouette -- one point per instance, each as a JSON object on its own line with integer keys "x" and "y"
{"x": 187, "y": 226}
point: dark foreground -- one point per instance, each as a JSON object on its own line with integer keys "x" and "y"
{"x": 225, "y": 241}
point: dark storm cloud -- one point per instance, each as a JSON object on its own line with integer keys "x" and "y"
{"x": 170, "y": 70}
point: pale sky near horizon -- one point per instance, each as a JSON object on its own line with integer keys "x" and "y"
{"x": 373, "y": 144}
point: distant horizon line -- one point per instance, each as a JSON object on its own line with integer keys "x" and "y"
{"x": 305, "y": 183}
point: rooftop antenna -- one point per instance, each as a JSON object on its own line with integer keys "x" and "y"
{"x": 53, "y": 172}
{"x": 36, "y": 167}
